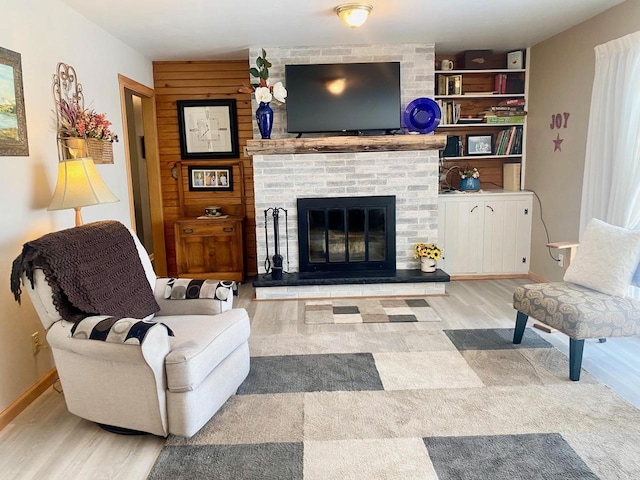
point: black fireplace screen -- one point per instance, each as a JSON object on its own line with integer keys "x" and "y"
{"x": 347, "y": 233}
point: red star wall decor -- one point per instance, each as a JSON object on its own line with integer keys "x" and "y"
{"x": 559, "y": 120}
{"x": 557, "y": 143}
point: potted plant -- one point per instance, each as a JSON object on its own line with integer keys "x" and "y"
{"x": 84, "y": 132}
{"x": 264, "y": 93}
{"x": 470, "y": 179}
{"x": 428, "y": 253}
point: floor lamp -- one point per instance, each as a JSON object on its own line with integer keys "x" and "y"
{"x": 79, "y": 185}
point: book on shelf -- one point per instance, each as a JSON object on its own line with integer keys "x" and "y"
{"x": 512, "y": 102}
{"x": 504, "y": 119}
{"x": 503, "y": 113}
{"x": 450, "y": 111}
{"x": 514, "y": 85}
{"x": 470, "y": 120}
{"x": 442, "y": 85}
{"x": 500, "y": 83}
{"x": 507, "y": 108}
{"x": 449, "y": 84}
{"x": 509, "y": 141}
{"x": 517, "y": 145}
{"x": 499, "y": 141}
{"x": 512, "y": 135}
{"x": 453, "y": 147}
{"x": 455, "y": 85}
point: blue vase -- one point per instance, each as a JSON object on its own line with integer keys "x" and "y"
{"x": 470, "y": 183}
{"x": 264, "y": 117}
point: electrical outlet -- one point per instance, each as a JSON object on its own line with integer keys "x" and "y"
{"x": 560, "y": 260}
{"x": 35, "y": 342}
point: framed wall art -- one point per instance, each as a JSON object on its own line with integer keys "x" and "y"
{"x": 13, "y": 123}
{"x": 479, "y": 144}
{"x": 212, "y": 178}
{"x": 208, "y": 129}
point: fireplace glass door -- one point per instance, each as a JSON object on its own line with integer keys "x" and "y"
{"x": 347, "y": 233}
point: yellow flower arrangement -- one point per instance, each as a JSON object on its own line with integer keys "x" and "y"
{"x": 427, "y": 250}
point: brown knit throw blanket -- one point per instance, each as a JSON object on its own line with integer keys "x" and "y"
{"x": 94, "y": 269}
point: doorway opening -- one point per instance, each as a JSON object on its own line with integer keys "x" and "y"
{"x": 143, "y": 169}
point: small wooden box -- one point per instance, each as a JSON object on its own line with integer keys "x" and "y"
{"x": 476, "y": 59}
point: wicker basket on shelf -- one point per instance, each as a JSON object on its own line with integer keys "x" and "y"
{"x": 100, "y": 150}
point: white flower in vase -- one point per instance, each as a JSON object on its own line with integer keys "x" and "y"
{"x": 279, "y": 92}
{"x": 263, "y": 95}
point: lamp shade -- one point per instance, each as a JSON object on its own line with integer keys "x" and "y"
{"x": 79, "y": 185}
{"x": 353, "y": 15}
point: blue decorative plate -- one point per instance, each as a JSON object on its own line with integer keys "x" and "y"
{"x": 422, "y": 115}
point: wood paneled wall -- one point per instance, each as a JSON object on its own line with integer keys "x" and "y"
{"x": 198, "y": 80}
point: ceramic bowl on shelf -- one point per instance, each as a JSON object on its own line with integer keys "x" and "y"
{"x": 213, "y": 211}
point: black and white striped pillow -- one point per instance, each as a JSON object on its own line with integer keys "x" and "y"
{"x": 130, "y": 331}
{"x": 186, "y": 289}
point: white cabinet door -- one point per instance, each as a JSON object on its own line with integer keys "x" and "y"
{"x": 523, "y": 235}
{"x": 460, "y": 235}
{"x": 507, "y": 233}
{"x": 485, "y": 234}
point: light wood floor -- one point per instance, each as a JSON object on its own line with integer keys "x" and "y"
{"x": 46, "y": 442}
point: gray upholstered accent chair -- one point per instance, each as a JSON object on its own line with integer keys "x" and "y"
{"x": 167, "y": 384}
{"x": 591, "y": 302}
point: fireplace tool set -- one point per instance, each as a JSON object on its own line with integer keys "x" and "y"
{"x": 276, "y": 268}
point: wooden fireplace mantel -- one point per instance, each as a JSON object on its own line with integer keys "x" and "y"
{"x": 345, "y": 144}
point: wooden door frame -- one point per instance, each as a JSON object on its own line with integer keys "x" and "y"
{"x": 153, "y": 166}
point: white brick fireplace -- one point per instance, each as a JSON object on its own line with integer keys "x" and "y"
{"x": 412, "y": 176}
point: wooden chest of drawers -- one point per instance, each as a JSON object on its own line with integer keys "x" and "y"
{"x": 210, "y": 248}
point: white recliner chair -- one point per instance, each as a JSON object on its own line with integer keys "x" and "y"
{"x": 168, "y": 384}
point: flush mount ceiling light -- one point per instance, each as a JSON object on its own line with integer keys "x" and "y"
{"x": 353, "y": 15}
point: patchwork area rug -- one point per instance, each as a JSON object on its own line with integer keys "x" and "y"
{"x": 435, "y": 404}
{"x": 369, "y": 310}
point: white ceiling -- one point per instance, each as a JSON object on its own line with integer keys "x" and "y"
{"x": 224, "y": 29}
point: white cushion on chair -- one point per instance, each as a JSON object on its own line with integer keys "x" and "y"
{"x": 606, "y": 259}
{"x": 200, "y": 344}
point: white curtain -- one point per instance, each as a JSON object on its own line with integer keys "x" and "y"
{"x": 611, "y": 184}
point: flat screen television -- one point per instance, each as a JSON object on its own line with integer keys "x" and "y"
{"x": 343, "y": 97}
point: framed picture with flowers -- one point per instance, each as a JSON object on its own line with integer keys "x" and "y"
{"x": 13, "y": 124}
{"x": 208, "y": 129}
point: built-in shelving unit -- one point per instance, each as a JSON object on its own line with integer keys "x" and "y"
{"x": 466, "y": 95}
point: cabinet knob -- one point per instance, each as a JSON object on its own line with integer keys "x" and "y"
{"x": 188, "y": 230}
{"x": 227, "y": 229}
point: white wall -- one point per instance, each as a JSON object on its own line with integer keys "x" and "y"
{"x": 45, "y": 33}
